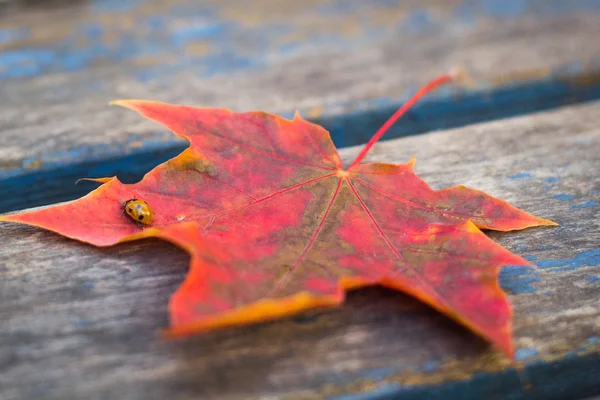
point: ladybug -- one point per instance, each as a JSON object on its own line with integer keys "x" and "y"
{"x": 139, "y": 211}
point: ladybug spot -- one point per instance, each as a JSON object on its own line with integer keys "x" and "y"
{"x": 139, "y": 206}
{"x": 141, "y": 217}
{"x": 130, "y": 210}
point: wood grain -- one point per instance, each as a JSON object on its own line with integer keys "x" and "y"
{"x": 81, "y": 322}
{"x": 332, "y": 69}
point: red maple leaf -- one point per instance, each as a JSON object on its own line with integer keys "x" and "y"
{"x": 275, "y": 224}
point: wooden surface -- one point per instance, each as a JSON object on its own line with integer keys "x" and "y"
{"x": 346, "y": 64}
{"x": 80, "y": 322}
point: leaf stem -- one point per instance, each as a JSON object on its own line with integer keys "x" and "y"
{"x": 440, "y": 80}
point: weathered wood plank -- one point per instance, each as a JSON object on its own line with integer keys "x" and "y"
{"x": 347, "y": 65}
{"x": 80, "y": 322}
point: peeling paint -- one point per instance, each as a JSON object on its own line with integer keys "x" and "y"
{"x": 563, "y": 197}
{"x": 587, "y": 204}
{"x": 589, "y": 258}
{"x": 518, "y": 279}
{"x": 520, "y": 175}
{"x": 526, "y": 353}
{"x": 382, "y": 392}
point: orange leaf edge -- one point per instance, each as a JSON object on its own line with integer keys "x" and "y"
{"x": 260, "y": 311}
{"x": 269, "y": 310}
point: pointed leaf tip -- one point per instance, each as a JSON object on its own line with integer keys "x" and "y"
{"x": 537, "y": 221}
{"x": 133, "y": 104}
{"x": 412, "y": 162}
{"x": 98, "y": 180}
{"x": 118, "y": 103}
{"x": 129, "y": 104}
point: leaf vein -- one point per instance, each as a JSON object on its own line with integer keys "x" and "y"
{"x": 423, "y": 282}
{"x": 287, "y": 276}
{"x": 416, "y": 205}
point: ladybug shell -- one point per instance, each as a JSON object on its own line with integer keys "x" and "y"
{"x": 139, "y": 211}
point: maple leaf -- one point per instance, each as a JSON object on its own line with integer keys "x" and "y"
{"x": 275, "y": 224}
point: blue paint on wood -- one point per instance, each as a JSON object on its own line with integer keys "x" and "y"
{"x": 195, "y": 32}
{"x": 418, "y": 21}
{"x": 467, "y": 12}
{"x": 24, "y": 62}
{"x": 81, "y": 323}
{"x": 587, "y": 204}
{"x": 505, "y": 8}
{"x": 560, "y": 7}
{"x": 552, "y": 179}
{"x": 525, "y": 353}
{"x": 13, "y": 35}
{"x": 200, "y": 24}
{"x": 588, "y": 258}
{"x": 517, "y": 279}
{"x": 540, "y": 380}
{"x": 563, "y": 197}
{"x": 289, "y": 47}
{"x": 593, "y": 278}
{"x": 382, "y": 392}
{"x": 209, "y": 24}
{"x": 377, "y": 373}
{"x": 115, "y": 6}
{"x": 520, "y": 175}
{"x": 385, "y": 3}
{"x": 430, "y": 366}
